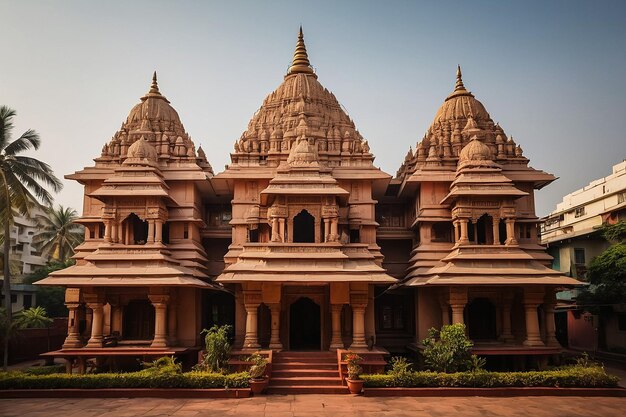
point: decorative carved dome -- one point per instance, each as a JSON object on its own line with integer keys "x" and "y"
{"x": 275, "y": 127}
{"x": 460, "y": 105}
{"x": 156, "y": 121}
{"x": 476, "y": 154}
{"x": 141, "y": 153}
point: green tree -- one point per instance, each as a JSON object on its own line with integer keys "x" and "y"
{"x": 33, "y": 318}
{"x": 23, "y": 182}
{"x": 58, "y": 234}
{"x": 48, "y": 297}
{"x": 607, "y": 271}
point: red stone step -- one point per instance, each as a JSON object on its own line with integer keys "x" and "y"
{"x": 287, "y": 373}
{"x": 280, "y": 366}
{"x": 307, "y": 389}
{"x": 305, "y": 380}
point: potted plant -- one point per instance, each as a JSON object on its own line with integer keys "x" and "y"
{"x": 258, "y": 379}
{"x": 355, "y": 383}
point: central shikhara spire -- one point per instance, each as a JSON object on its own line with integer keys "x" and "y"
{"x": 300, "y": 63}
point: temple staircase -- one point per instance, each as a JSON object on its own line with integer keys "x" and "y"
{"x": 306, "y": 373}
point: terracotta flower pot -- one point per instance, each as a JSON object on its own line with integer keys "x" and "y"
{"x": 355, "y": 385}
{"x": 257, "y": 386}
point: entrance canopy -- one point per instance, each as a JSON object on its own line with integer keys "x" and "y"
{"x": 303, "y": 262}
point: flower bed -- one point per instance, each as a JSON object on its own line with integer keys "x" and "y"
{"x": 18, "y": 380}
{"x": 575, "y": 376}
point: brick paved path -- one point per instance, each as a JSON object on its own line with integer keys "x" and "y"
{"x": 319, "y": 406}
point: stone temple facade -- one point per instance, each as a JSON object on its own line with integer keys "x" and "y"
{"x": 302, "y": 243}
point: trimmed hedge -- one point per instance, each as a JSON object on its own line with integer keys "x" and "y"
{"x": 18, "y": 380}
{"x": 45, "y": 370}
{"x": 575, "y": 376}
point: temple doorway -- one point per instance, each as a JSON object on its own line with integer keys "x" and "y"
{"x": 481, "y": 320}
{"x": 138, "y": 320}
{"x": 304, "y": 325}
{"x": 304, "y": 228}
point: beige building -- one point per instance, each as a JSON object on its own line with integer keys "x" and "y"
{"x": 302, "y": 243}
{"x": 571, "y": 235}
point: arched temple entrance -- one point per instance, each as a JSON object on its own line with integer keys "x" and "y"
{"x": 304, "y": 325}
{"x": 304, "y": 228}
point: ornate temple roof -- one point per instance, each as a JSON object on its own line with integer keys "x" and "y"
{"x": 459, "y": 120}
{"x": 276, "y": 126}
{"x": 154, "y": 121}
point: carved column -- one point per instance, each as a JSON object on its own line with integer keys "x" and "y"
{"x": 96, "y": 340}
{"x": 549, "y": 324}
{"x": 458, "y": 300}
{"x": 160, "y": 320}
{"x": 334, "y": 232}
{"x": 251, "y": 341}
{"x": 532, "y": 298}
{"x": 496, "y": 231}
{"x": 335, "y": 340}
{"x": 281, "y": 229}
{"x": 275, "y": 230}
{"x": 358, "y": 327}
{"x": 107, "y": 231}
{"x": 463, "y": 239}
{"x": 158, "y": 236}
{"x": 150, "y": 231}
{"x": 510, "y": 232}
{"x": 326, "y": 230}
{"x": 456, "y": 231}
{"x": 73, "y": 337}
{"x": 118, "y": 235}
{"x": 275, "y": 327}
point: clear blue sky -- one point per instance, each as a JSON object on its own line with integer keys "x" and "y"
{"x": 553, "y": 73}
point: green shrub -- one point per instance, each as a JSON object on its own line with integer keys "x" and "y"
{"x": 44, "y": 370}
{"x": 449, "y": 350}
{"x": 217, "y": 348}
{"x": 574, "y": 376}
{"x": 259, "y": 364}
{"x": 165, "y": 365}
{"x": 18, "y": 380}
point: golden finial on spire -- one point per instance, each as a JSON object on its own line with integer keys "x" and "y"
{"x": 459, "y": 79}
{"x": 300, "y": 63}
{"x": 459, "y": 88}
{"x": 154, "y": 88}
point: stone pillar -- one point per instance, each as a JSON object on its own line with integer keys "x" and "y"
{"x": 334, "y": 232}
{"x": 107, "y": 231}
{"x": 335, "y": 340}
{"x": 113, "y": 228}
{"x": 550, "y": 327}
{"x": 251, "y": 340}
{"x": 463, "y": 239}
{"x": 456, "y": 231}
{"x": 275, "y": 230}
{"x": 172, "y": 322}
{"x": 358, "y": 327}
{"x": 281, "y": 229}
{"x": 275, "y": 327}
{"x": 510, "y": 232}
{"x": 326, "y": 230}
{"x": 150, "y": 232}
{"x": 96, "y": 340}
{"x": 158, "y": 235}
{"x": 118, "y": 236}
{"x": 532, "y": 298}
{"x": 458, "y": 300}
{"x": 73, "y": 337}
{"x": 160, "y": 320}
{"x": 496, "y": 231}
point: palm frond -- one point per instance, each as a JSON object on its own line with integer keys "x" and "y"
{"x": 28, "y": 140}
{"x": 6, "y": 125}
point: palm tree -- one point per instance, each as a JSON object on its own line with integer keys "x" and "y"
{"x": 22, "y": 181}
{"x": 58, "y": 235}
{"x": 33, "y": 318}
